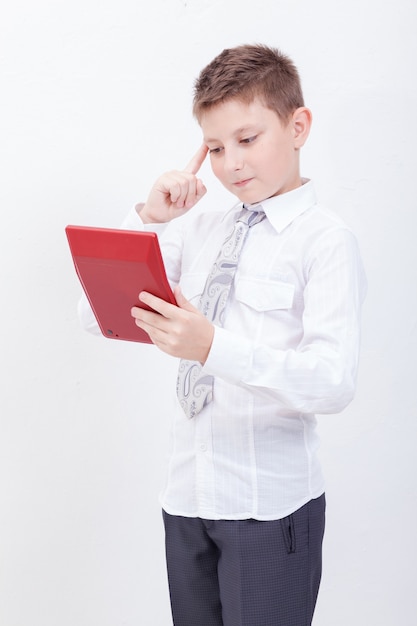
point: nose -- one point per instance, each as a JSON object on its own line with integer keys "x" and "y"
{"x": 233, "y": 160}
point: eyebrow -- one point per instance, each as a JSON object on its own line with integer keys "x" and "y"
{"x": 238, "y": 131}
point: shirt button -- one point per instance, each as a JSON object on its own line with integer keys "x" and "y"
{"x": 203, "y": 447}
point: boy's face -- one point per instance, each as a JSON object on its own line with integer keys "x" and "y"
{"x": 252, "y": 153}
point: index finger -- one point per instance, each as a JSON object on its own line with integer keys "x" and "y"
{"x": 158, "y": 305}
{"x": 197, "y": 160}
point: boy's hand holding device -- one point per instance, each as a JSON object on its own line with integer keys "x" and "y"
{"x": 181, "y": 331}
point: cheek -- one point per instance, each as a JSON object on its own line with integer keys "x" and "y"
{"x": 216, "y": 167}
{"x": 276, "y": 160}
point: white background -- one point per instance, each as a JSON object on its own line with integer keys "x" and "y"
{"x": 95, "y": 103}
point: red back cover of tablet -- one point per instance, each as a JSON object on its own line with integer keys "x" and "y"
{"x": 114, "y": 266}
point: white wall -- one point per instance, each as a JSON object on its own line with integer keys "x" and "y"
{"x": 95, "y": 102}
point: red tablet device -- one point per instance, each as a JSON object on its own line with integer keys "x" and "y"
{"x": 114, "y": 266}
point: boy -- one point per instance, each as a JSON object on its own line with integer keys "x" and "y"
{"x": 267, "y": 337}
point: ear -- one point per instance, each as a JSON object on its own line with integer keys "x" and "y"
{"x": 301, "y": 124}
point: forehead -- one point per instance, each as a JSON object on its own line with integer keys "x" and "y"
{"x": 234, "y": 116}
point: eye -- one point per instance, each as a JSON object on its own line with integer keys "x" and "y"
{"x": 215, "y": 150}
{"x": 249, "y": 139}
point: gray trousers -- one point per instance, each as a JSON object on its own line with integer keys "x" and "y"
{"x": 245, "y": 572}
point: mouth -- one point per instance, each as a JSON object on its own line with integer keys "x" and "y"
{"x": 242, "y": 183}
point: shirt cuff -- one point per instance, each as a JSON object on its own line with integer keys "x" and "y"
{"x": 229, "y": 357}
{"x": 133, "y": 221}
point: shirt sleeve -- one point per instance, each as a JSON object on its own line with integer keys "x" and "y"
{"x": 319, "y": 374}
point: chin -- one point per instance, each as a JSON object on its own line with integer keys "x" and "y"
{"x": 248, "y": 199}
{"x": 256, "y": 196}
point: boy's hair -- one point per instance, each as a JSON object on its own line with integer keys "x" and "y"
{"x": 245, "y": 73}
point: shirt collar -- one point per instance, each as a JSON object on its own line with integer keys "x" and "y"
{"x": 281, "y": 210}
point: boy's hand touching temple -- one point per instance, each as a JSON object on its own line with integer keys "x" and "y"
{"x": 176, "y": 192}
{"x": 180, "y": 331}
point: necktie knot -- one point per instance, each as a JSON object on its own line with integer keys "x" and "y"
{"x": 251, "y": 216}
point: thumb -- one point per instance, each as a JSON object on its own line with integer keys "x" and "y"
{"x": 182, "y": 302}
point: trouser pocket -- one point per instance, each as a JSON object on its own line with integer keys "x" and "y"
{"x": 288, "y": 531}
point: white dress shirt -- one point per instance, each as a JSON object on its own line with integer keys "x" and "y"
{"x": 288, "y": 349}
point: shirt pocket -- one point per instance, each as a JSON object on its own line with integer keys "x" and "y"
{"x": 265, "y": 295}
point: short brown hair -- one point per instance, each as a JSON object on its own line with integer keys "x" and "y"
{"x": 247, "y": 72}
